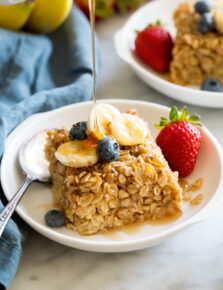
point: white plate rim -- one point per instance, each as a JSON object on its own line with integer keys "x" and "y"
{"x": 111, "y": 246}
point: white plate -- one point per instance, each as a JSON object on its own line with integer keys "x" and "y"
{"x": 38, "y": 199}
{"x": 124, "y": 44}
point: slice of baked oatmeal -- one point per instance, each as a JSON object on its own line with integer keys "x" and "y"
{"x": 138, "y": 186}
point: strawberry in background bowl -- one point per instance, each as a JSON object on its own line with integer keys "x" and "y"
{"x": 153, "y": 45}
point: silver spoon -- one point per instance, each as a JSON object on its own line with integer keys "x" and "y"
{"x": 34, "y": 165}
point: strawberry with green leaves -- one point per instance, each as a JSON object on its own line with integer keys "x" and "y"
{"x": 154, "y": 45}
{"x": 179, "y": 140}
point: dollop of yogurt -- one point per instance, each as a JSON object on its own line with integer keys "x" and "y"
{"x": 32, "y": 157}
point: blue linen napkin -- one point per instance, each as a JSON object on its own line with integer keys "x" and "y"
{"x": 39, "y": 73}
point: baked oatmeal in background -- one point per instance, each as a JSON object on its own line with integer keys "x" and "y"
{"x": 196, "y": 56}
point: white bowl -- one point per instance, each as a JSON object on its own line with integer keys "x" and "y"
{"x": 124, "y": 44}
{"x": 38, "y": 198}
{"x": 10, "y": 2}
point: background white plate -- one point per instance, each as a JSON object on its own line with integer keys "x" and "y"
{"x": 38, "y": 198}
{"x": 124, "y": 43}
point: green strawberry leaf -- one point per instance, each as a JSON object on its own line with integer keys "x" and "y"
{"x": 158, "y": 126}
{"x": 164, "y": 122}
{"x": 198, "y": 124}
{"x": 158, "y": 23}
{"x": 174, "y": 114}
{"x": 194, "y": 117}
{"x": 174, "y": 117}
{"x": 183, "y": 115}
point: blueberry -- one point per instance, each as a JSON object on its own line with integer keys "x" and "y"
{"x": 108, "y": 149}
{"x": 203, "y": 6}
{"x": 211, "y": 85}
{"x": 54, "y": 218}
{"x": 78, "y": 131}
{"x": 205, "y": 23}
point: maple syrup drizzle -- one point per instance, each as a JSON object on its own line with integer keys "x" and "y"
{"x": 91, "y": 4}
{"x": 133, "y": 228}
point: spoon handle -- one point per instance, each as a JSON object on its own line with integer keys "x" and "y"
{"x": 7, "y": 212}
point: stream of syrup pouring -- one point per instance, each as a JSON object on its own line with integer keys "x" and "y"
{"x": 91, "y": 4}
{"x": 131, "y": 229}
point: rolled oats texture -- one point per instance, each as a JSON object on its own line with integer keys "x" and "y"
{"x": 138, "y": 186}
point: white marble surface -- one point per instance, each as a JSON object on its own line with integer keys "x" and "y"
{"x": 191, "y": 260}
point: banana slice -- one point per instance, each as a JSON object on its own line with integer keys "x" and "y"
{"x": 217, "y": 13}
{"x": 73, "y": 154}
{"x": 128, "y": 129}
{"x": 105, "y": 114}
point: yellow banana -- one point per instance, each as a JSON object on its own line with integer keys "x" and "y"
{"x": 126, "y": 128}
{"x": 129, "y": 129}
{"x": 218, "y": 15}
{"x": 74, "y": 155}
{"x": 48, "y": 15}
{"x": 105, "y": 114}
{"x": 14, "y": 17}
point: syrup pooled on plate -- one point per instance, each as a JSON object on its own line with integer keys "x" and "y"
{"x": 196, "y": 185}
{"x": 133, "y": 229}
{"x": 189, "y": 189}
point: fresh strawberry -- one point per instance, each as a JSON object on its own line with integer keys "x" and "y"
{"x": 154, "y": 46}
{"x": 103, "y": 8}
{"x": 180, "y": 140}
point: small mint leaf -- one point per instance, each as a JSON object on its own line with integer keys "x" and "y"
{"x": 183, "y": 115}
{"x": 194, "y": 118}
{"x": 174, "y": 114}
